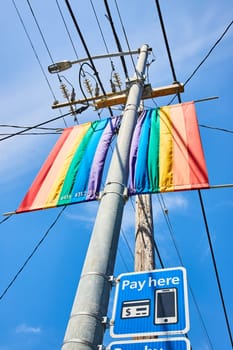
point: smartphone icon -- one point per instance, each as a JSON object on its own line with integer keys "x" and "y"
{"x": 166, "y": 306}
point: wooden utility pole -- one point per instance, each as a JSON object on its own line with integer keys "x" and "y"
{"x": 144, "y": 234}
{"x": 144, "y": 258}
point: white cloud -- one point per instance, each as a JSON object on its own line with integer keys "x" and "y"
{"x": 24, "y": 328}
{"x": 169, "y": 202}
{"x": 82, "y": 212}
{"x": 175, "y": 201}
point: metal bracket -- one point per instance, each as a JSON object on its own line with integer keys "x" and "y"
{"x": 107, "y": 278}
{"x": 112, "y": 280}
{"x": 77, "y": 341}
{"x": 105, "y": 321}
{"x": 101, "y": 347}
{"x": 124, "y": 195}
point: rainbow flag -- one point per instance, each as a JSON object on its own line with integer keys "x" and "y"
{"x": 166, "y": 152}
{"x": 165, "y": 155}
{"x": 73, "y": 171}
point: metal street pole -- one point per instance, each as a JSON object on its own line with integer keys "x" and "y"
{"x": 85, "y": 328}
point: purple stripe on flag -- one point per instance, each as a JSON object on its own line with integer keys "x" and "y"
{"x": 134, "y": 149}
{"x": 99, "y": 158}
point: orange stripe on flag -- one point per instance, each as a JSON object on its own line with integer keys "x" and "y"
{"x": 181, "y": 173}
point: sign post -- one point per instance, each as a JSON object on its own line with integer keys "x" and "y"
{"x": 151, "y": 303}
{"x": 157, "y": 344}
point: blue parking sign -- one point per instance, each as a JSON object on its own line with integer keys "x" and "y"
{"x": 151, "y": 303}
{"x": 156, "y": 344}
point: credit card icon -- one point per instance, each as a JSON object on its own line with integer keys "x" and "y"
{"x": 136, "y": 308}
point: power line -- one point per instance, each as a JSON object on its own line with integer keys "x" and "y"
{"x": 179, "y": 99}
{"x": 210, "y": 51}
{"x": 113, "y": 73}
{"x": 109, "y": 16}
{"x": 32, "y": 253}
{"x": 33, "y": 48}
{"x": 207, "y": 55}
{"x": 200, "y": 198}
{"x": 40, "y": 31}
{"x": 98, "y": 22}
{"x": 67, "y": 30}
{"x": 124, "y": 261}
{"x": 5, "y": 219}
{"x": 86, "y": 48}
{"x": 158, "y": 253}
{"x": 215, "y": 267}
{"x": 171, "y": 231}
{"x": 215, "y": 128}
{"x": 46, "y": 131}
{"x": 125, "y": 35}
{"x": 32, "y": 133}
{"x": 79, "y": 110}
{"x": 127, "y": 243}
{"x": 24, "y": 127}
{"x": 167, "y": 45}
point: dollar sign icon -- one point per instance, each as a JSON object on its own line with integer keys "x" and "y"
{"x": 128, "y": 312}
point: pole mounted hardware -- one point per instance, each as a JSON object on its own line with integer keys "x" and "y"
{"x": 120, "y": 97}
{"x": 64, "y": 65}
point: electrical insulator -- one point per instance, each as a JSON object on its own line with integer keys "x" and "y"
{"x": 113, "y": 86}
{"x": 97, "y": 90}
{"x": 117, "y": 80}
{"x": 65, "y": 91}
{"x": 72, "y": 96}
{"x": 88, "y": 86}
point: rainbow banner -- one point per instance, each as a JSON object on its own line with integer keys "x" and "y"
{"x": 166, "y": 152}
{"x": 73, "y": 171}
{"x": 165, "y": 155}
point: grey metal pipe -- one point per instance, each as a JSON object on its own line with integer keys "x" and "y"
{"x": 85, "y": 329}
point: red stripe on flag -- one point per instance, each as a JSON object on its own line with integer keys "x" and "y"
{"x": 31, "y": 194}
{"x": 197, "y": 164}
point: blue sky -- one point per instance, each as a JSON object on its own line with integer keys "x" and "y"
{"x": 35, "y": 310}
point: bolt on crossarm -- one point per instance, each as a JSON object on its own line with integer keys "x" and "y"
{"x": 85, "y": 329}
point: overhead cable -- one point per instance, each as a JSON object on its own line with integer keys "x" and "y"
{"x": 171, "y": 231}
{"x": 201, "y": 202}
{"x": 98, "y": 22}
{"x": 67, "y": 30}
{"x": 24, "y": 127}
{"x": 32, "y": 254}
{"x": 33, "y": 48}
{"x": 215, "y": 128}
{"x": 86, "y": 48}
{"x": 124, "y": 261}
{"x": 31, "y": 133}
{"x": 210, "y": 51}
{"x": 109, "y": 16}
{"x": 5, "y": 219}
{"x": 167, "y": 45}
{"x": 49, "y": 53}
{"x": 215, "y": 267}
{"x": 40, "y": 31}
{"x": 206, "y": 56}
{"x": 158, "y": 253}
{"x": 79, "y": 110}
{"x": 127, "y": 243}
{"x": 125, "y": 35}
